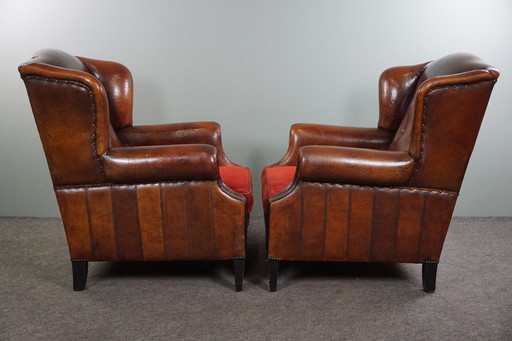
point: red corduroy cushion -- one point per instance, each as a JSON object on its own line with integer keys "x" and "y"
{"x": 239, "y": 179}
{"x": 275, "y": 179}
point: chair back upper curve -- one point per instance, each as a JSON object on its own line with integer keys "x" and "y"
{"x": 83, "y": 109}
{"x": 441, "y": 123}
{"x": 71, "y": 109}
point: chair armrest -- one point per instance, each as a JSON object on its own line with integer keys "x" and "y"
{"x": 354, "y": 166}
{"x": 327, "y": 135}
{"x": 174, "y": 134}
{"x": 161, "y": 163}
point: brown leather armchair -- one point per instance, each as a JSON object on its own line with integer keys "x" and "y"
{"x": 382, "y": 194}
{"x": 133, "y": 193}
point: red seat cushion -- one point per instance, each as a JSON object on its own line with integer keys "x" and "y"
{"x": 239, "y": 179}
{"x": 275, "y": 179}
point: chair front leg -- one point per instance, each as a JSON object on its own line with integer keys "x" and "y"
{"x": 239, "y": 264}
{"x": 273, "y": 270}
{"x": 428, "y": 274}
{"x": 80, "y": 269}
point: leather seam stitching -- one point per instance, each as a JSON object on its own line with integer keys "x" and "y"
{"x": 64, "y": 187}
{"x": 288, "y": 191}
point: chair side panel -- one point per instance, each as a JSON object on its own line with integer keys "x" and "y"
{"x": 163, "y": 221}
{"x": 359, "y": 224}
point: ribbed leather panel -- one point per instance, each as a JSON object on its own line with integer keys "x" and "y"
{"x": 167, "y": 221}
{"x": 328, "y": 222}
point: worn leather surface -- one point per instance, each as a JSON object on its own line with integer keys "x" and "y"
{"x": 130, "y": 192}
{"x": 383, "y": 194}
{"x": 176, "y": 133}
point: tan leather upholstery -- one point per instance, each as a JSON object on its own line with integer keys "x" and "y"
{"x": 125, "y": 192}
{"x": 382, "y": 194}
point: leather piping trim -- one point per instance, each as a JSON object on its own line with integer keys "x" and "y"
{"x": 288, "y": 190}
{"x": 233, "y": 194}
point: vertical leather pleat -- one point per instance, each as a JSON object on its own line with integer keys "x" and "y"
{"x": 438, "y": 213}
{"x": 75, "y": 215}
{"x": 126, "y": 222}
{"x": 337, "y": 220}
{"x": 175, "y": 220}
{"x": 409, "y": 226}
{"x": 151, "y": 222}
{"x": 285, "y": 240}
{"x": 313, "y": 221}
{"x": 360, "y": 224}
{"x": 386, "y": 211}
{"x": 104, "y": 241}
{"x": 200, "y": 222}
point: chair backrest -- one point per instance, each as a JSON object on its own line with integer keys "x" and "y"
{"x": 443, "y": 117}
{"x": 77, "y": 103}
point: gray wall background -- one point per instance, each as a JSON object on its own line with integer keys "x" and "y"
{"x": 255, "y": 67}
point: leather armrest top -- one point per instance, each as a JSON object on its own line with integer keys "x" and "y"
{"x": 175, "y": 134}
{"x": 329, "y": 135}
{"x": 161, "y": 163}
{"x": 354, "y": 166}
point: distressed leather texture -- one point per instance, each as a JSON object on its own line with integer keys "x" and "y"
{"x": 383, "y": 194}
{"x": 132, "y": 192}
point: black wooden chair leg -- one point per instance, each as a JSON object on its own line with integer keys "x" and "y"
{"x": 80, "y": 268}
{"x": 429, "y": 273}
{"x": 239, "y": 264}
{"x": 273, "y": 270}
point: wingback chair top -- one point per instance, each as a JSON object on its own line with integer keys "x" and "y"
{"x": 95, "y": 99}
{"x": 125, "y": 192}
{"x": 387, "y": 193}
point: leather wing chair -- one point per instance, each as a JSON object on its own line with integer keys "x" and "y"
{"x": 383, "y": 194}
{"x": 133, "y": 193}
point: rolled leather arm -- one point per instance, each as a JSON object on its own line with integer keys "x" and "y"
{"x": 176, "y": 133}
{"x": 161, "y": 163}
{"x": 304, "y": 134}
{"x": 354, "y": 166}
